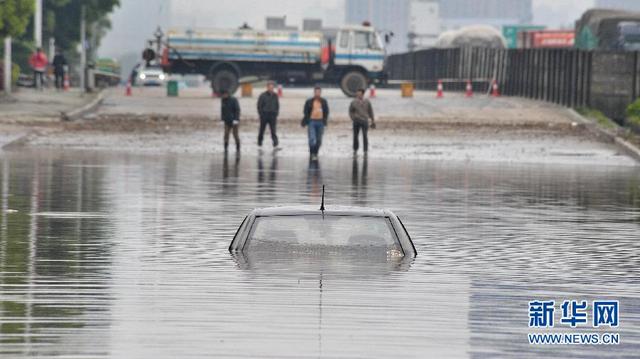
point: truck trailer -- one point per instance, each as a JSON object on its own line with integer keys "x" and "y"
{"x": 354, "y": 59}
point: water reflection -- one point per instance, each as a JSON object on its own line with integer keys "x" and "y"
{"x": 109, "y": 255}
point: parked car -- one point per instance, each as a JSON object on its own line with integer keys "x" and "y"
{"x": 337, "y": 229}
{"x": 150, "y": 76}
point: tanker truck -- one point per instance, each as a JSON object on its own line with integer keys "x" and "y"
{"x": 354, "y": 58}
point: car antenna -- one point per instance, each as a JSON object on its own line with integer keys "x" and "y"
{"x": 322, "y": 203}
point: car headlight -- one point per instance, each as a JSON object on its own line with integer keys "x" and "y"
{"x": 143, "y": 76}
{"x": 161, "y": 76}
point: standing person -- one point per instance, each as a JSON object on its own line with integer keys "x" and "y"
{"x": 316, "y": 113}
{"x": 38, "y": 62}
{"x": 360, "y": 112}
{"x": 268, "y": 109}
{"x": 230, "y": 115}
{"x": 59, "y": 63}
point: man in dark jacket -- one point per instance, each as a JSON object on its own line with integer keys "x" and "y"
{"x": 316, "y": 113}
{"x": 230, "y": 115}
{"x": 268, "y": 109}
{"x": 360, "y": 112}
{"x": 59, "y": 63}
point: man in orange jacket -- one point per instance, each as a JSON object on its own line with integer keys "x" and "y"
{"x": 39, "y": 63}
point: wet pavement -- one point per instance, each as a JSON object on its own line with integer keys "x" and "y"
{"x": 115, "y": 254}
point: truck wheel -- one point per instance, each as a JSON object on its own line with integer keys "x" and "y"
{"x": 352, "y": 81}
{"x": 224, "y": 80}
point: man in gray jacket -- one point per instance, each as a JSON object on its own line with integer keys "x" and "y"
{"x": 268, "y": 108}
{"x": 360, "y": 112}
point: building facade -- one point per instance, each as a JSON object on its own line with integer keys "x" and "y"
{"x": 414, "y": 23}
{"x": 455, "y": 14}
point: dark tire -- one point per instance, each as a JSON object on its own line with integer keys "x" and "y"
{"x": 224, "y": 80}
{"x": 352, "y": 81}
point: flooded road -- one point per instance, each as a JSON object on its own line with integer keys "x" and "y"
{"x": 124, "y": 256}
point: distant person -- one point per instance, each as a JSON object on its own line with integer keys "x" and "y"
{"x": 38, "y": 62}
{"x": 230, "y": 115}
{"x": 316, "y": 113}
{"x": 59, "y": 63}
{"x": 360, "y": 112}
{"x": 134, "y": 74}
{"x": 268, "y": 109}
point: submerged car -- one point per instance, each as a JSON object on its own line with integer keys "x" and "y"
{"x": 334, "y": 229}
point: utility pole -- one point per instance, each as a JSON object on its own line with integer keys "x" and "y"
{"x": 37, "y": 24}
{"x": 83, "y": 50}
{"x": 7, "y": 65}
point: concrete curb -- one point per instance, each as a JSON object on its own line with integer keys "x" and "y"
{"x": 627, "y": 147}
{"x": 81, "y": 111}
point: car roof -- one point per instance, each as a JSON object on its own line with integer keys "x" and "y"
{"x": 315, "y": 210}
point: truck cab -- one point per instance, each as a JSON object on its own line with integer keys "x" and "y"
{"x": 358, "y": 57}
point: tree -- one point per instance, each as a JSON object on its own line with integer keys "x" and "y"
{"x": 62, "y": 20}
{"x": 14, "y": 17}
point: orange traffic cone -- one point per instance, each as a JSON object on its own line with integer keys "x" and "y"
{"x": 440, "y": 93}
{"x": 494, "y": 89}
{"x": 66, "y": 84}
{"x": 469, "y": 89}
{"x": 279, "y": 90}
{"x": 372, "y": 91}
{"x": 128, "y": 89}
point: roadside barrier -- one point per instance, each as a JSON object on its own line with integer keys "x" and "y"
{"x": 440, "y": 93}
{"x": 494, "y": 89}
{"x": 247, "y": 90}
{"x": 406, "y": 89}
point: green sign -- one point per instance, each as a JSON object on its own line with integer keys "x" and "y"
{"x": 510, "y": 33}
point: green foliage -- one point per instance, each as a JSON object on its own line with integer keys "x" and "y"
{"x": 598, "y": 116}
{"x": 633, "y": 113}
{"x": 61, "y": 20}
{"x": 14, "y": 16}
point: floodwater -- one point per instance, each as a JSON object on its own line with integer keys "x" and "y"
{"x": 111, "y": 255}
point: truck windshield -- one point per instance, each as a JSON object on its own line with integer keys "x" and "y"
{"x": 313, "y": 231}
{"x": 630, "y": 35}
{"x": 366, "y": 40}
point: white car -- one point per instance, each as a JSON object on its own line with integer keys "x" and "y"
{"x": 151, "y": 76}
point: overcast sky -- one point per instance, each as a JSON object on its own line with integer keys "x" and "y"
{"x": 135, "y": 20}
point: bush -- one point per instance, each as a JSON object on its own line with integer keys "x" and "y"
{"x": 633, "y": 113}
{"x": 15, "y": 72}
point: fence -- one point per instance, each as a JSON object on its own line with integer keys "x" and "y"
{"x": 606, "y": 81}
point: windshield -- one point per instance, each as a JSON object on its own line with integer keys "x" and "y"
{"x": 286, "y": 232}
{"x": 367, "y": 40}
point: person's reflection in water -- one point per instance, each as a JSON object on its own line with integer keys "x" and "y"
{"x": 225, "y": 167}
{"x": 359, "y": 181}
{"x": 272, "y": 172}
{"x": 267, "y": 180}
{"x": 314, "y": 178}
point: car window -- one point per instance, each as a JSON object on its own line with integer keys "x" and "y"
{"x": 318, "y": 230}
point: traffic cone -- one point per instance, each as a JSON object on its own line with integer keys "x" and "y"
{"x": 440, "y": 93}
{"x": 372, "y": 91}
{"x": 128, "y": 89}
{"x": 279, "y": 90}
{"x": 469, "y": 89}
{"x": 494, "y": 89}
{"x": 66, "y": 84}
